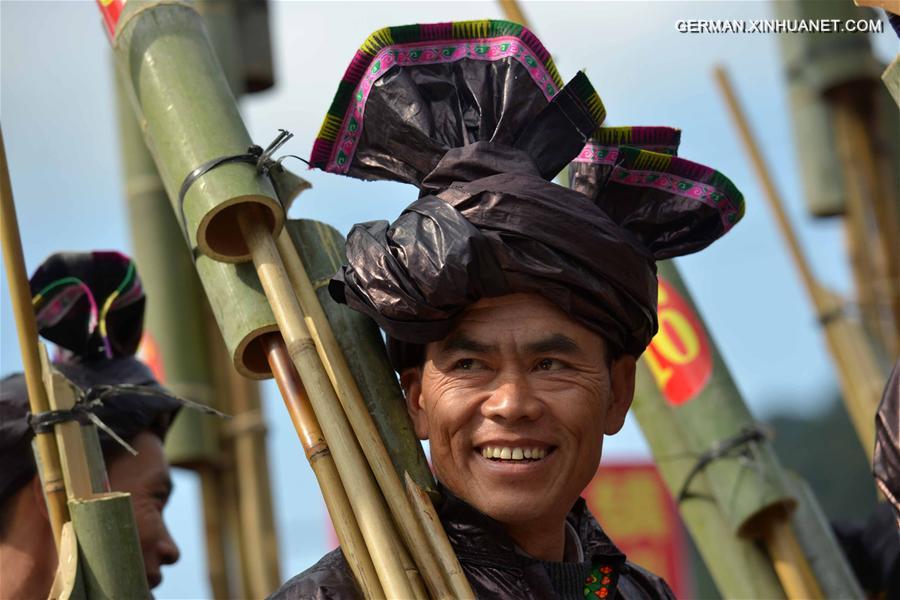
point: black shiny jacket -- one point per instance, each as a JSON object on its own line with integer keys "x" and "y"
{"x": 490, "y": 561}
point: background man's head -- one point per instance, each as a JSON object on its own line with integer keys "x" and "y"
{"x": 140, "y": 420}
{"x": 515, "y": 403}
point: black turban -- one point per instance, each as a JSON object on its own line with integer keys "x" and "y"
{"x": 91, "y": 305}
{"x": 476, "y": 116}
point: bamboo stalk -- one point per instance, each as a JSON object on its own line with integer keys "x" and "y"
{"x": 865, "y": 188}
{"x": 440, "y": 544}
{"x": 67, "y": 583}
{"x": 860, "y": 377}
{"x": 26, "y": 328}
{"x": 348, "y": 393}
{"x": 213, "y": 526}
{"x": 248, "y": 432}
{"x": 73, "y": 458}
{"x": 367, "y": 504}
{"x": 322, "y": 463}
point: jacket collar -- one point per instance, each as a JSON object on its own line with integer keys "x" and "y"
{"x": 477, "y": 535}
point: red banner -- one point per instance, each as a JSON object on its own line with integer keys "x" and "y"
{"x": 633, "y": 506}
{"x": 679, "y": 356}
{"x": 110, "y": 9}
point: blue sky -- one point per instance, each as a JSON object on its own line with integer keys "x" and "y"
{"x": 58, "y": 118}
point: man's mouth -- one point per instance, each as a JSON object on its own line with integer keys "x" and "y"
{"x": 515, "y": 453}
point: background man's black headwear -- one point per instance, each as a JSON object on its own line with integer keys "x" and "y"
{"x": 476, "y": 116}
{"x": 66, "y": 288}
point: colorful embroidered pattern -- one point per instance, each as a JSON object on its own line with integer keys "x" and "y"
{"x": 422, "y": 45}
{"x": 603, "y": 148}
{"x": 682, "y": 178}
{"x": 600, "y": 583}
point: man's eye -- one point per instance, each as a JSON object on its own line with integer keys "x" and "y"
{"x": 549, "y": 364}
{"x": 466, "y": 364}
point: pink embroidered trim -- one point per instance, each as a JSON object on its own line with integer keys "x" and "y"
{"x": 419, "y": 53}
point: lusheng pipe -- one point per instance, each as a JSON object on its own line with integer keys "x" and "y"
{"x": 319, "y": 456}
{"x": 368, "y": 505}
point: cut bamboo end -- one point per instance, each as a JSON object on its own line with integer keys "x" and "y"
{"x": 437, "y": 538}
{"x": 67, "y": 584}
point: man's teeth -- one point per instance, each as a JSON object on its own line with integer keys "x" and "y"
{"x": 506, "y": 453}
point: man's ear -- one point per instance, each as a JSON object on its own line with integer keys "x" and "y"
{"x": 621, "y": 375}
{"x": 411, "y": 382}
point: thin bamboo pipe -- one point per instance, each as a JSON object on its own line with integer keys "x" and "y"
{"x": 513, "y": 12}
{"x": 368, "y": 506}
{"x": 322, "y": 463}
{"x": 859, "y": 375}
{"x": 364, "y": 426}
{"x": 26, "y": 328}
{"x": 790, "y": 562}
{"x": 213, "y": 526}
{"x": 440, "y": 544}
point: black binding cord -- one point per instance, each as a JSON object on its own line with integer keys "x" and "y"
{"x": 258, "y": 157}
{"x": 718, "y": 451}
{"x": 92, "y": 399}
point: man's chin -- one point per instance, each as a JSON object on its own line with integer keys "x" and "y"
{"x": 512, "y": 507}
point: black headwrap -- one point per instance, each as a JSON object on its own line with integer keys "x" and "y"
{"x": 476, "y": 116}
{"x": 66, "y": 289}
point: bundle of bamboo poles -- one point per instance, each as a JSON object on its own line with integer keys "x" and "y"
{"x": 394, "y": 543}
{"x": 106, "y": 561}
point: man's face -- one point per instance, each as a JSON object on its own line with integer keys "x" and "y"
{"x": 146, "y": 478}
{"x": 515, "y": 403}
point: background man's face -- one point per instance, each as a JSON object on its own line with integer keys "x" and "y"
{"x": 146, "y": 477}
{"x": 515, "y": 403}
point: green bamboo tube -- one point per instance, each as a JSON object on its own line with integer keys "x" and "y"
{"x": 321, "y": 248}
{"x": 242, "y": 312}
{"x": 173, "y": 314}
{"x": 744, "y": 493}
{"x": 368, "y": 505}
{"x": 813, "y": 63}
{"x": 739, "y": 567}
{"x": 818, "y": 542}
{"x": 364, "y": 427}
{"x": 189, "y": 116}
{"x": 109, "y": 550}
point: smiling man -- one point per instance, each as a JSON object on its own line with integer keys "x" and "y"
{"x": 514, "y": 308}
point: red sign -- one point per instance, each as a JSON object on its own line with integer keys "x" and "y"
{"x": 633, "y": 506}
{"x": 679, "y": 355}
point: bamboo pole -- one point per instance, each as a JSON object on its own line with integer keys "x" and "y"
{"x": 789, "y": 560}
{"x": 437, "y": 538}
{"x": 26, "y": 328}
{"x": 364, "y": 427}
{"x": 68, "y": 583}
{"x": 513, "y": 12}
{"x": 320, "y": 459}
{"x": 321, "y": 251}
{"x": 368, "y": 506}
{"x": 213, "y": 528}
{"x": 859, "y": 374}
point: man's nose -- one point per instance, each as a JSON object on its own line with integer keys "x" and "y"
{"x": 167, "y": 548}
{"x": 512, "y": 400}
